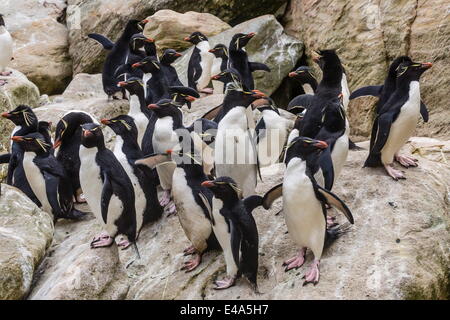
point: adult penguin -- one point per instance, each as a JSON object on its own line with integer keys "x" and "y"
{"x": 47, "y": 177}
{"x": 107, "y": 188}
{"x": 144, "y": 180}
{"x": 271, "y": 132}
{"x": 169, "y": 56}
{"x": 44, "y": 128}
{"x": 183, "y": 95}
{"x": 142, "y": 116}
{"x": 25, "y": 122}
{"x": 235, "y": 229}
{"x": 220, "y": 63}
{"x": 397, "y": 120}
{"x": 67, "y": 146}
{"x": 200, "y": 62}
{"x": 384, "y": 91}
{"x": 239, "y": 59}
{"x": 140, "y": 47}
{"x": 118, "y": 54}
{"x": 304, "y": 204}
{"x": 157, "y": 85}
{"x": 235, "y": 152}
{"x": 6, "y": 50}
{"x": 304, "y": 76}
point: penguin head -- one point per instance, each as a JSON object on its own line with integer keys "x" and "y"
{"x": 183, "y": 95}
{"x": 69, "y": 123}
{"x": 165, "y": 108}
{"x": 265, "y": 103}
{"x": 148, "y": 65}
{"x": 394, "y": 65}
{"x": 121, "y": 125}
{"x": 324, "y": 57}
{"x": 410, "y": 71}
{"x": 240, "y": 40}
{"x": 219, "y": 51}
{"x": 302, "y": 74}
{"x": 133, "y": 85}
{"x": 196, "y": 37}
{"x": 138, "y": 41}
{"x": 305, "y": 148}
{"x": 2, "y": 21}
{"x": 224, "y": 188}
{"x": 21, "y": 116}
{"x": 227, "y": 76}
{"x": 136, "y": 25}
{"x": 34, "y": 142}
{"x": 92, "y": 136}
{"x": 169, "y": 56}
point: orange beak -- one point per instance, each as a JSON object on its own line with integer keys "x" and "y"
{"x": 145, "y": 21}
{"x": 251, "y": 35}
{"x": 187, "y": 39}
{"x": 57, "y": 144}
{"x": 149, "y": 40}
{"x": 5, "y": 115}
{"x": 190, "y": 98}
{"x": 177, "y": 54}
{"x": 87, "y": 133}
{"x": 17, "y": 138}
{"x": 136, "y": 65}
{"x": 258, "y": 94}
{"x": 321, "y": 144}
{"x": 105, "y": 121}
{"x": 153, "y": 106}
{"x": 169, "y": 151}
{"x": 208, "y": 184}
{"x": 427, "y": 65}
{"x": 212, "y": 50}
{"x": 216, "y": 77}
{"x": 121, "y": 84}
{"x": 292, "y": 74}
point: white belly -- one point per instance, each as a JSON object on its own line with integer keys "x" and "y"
{"x": 164, "y": 137}
{"x": 302, "y": 211}
{"x": 145, "y": 78}
{"x": 6, "y": 48}
{"x": 307, "y": 88}
{"x": 205, "y": 64}
{"x": 273, "y": 139}
{"x": 36, "y": 181}
{"x": 140, "y": 199}
{"x": 192, "y": 219}
{"x": 217, "y": 85}
{"x": 233, "y": 153}
{"x": 339, "y": 154}
{"x": 223, "y": 236}
{"x": 345, "y": 92}
{"x": 403, "y": 127}
{"x": 140, "y": 120}
{"x": 13, "y": 133}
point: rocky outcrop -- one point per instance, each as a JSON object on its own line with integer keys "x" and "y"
{"x": 109, "y": 17}
{"x": 370, "y": 35}
{"x": 25, "y": 233}
{"x": 270, "y": 46}
{"x": 41, "y": 42}
{"x": 169, "y": 28}
{"x": 407, "y": 256}
{"x": 18, "y": 90}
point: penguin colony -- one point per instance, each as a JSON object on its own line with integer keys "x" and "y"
{"x": 208, "y": 176}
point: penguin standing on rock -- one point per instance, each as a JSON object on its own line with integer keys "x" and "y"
{"x": 144, "y": 180}
{"x": 200, "y": 63}
{"x": 169, "y": 56}
{"x": 6, "y": 50}
{"x": 304, "y": 204}
{"x": 220, "y": 63}
{"x": 235, "y": 229}
{"x": 118, "y": 54}
{"x": 239, "y": 59}
{"x": 47, "y": 177}
{"x": 67, "y": 143}
{"x": 397, "y": 121}
{"x": 155, "y": 81}
{"x": 26, "y": 122}
{"x": 107, "y": 188}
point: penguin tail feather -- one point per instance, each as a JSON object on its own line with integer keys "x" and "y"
{"x": 333, "y": 234}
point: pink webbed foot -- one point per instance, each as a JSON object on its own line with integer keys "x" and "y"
{"x": 225, "y": 283}
{"x": 124, "y": 244}
{"x": 3, "y": 82}
{"x": 103, "y": 240}
{"x": 189, "y": 250}
{"x": 313, "y": 274}
{"x": 170, "y": 209}
{"x": 5, "y": 73}
{"x": 295, "y": 262}
{"x": 207, "y": 90}
{"x": 331, "y": 222}
{"x": 193, "y": 263}
{"x": 406, "y": 161}
{"x": 165, "y": 198}
{"x": 394, "y": 173}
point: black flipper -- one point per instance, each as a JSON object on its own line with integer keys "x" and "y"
{"x": 107, "y": 193}
{"x": 334, "y": 201}
{"x": 51, "y": 189}
{"x": 424, "y": 111}
{"x": 104, "y": 41}
{"x": 208, "y": 207}
{"x": 326, "y": 164}
{"x": 353, "y": 146}
{"x": 212, "y": 114}
{"x": 4, "y": 158}
{"x": 252, "y": 202}
{"x": 254, "y": 66}
{"x": 13, "y": 163}
{"x": 303, "y": 100}
{"x": 367, "y": 91}
{"x": 236, "y": 238}
{"x": 383, "y": 127}
{"x": 272, "y": 195}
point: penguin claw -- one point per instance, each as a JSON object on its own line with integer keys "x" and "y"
{"x": 103, "y": 240}
{"x": 313, "y": 274}
{"x": 406, "y": 161}
{"x": 295, "y": 262}
{"x": 395, "y": 174}
{"x": 5, "y": 73}
{"x": 192, "y": 264}
{"x": 224, "y": 284}
{"x": 124, "y": 244}
{"x": 170, "y": 208}
{"x": 3, "y": 82}
{"x": 189, "y": 250}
